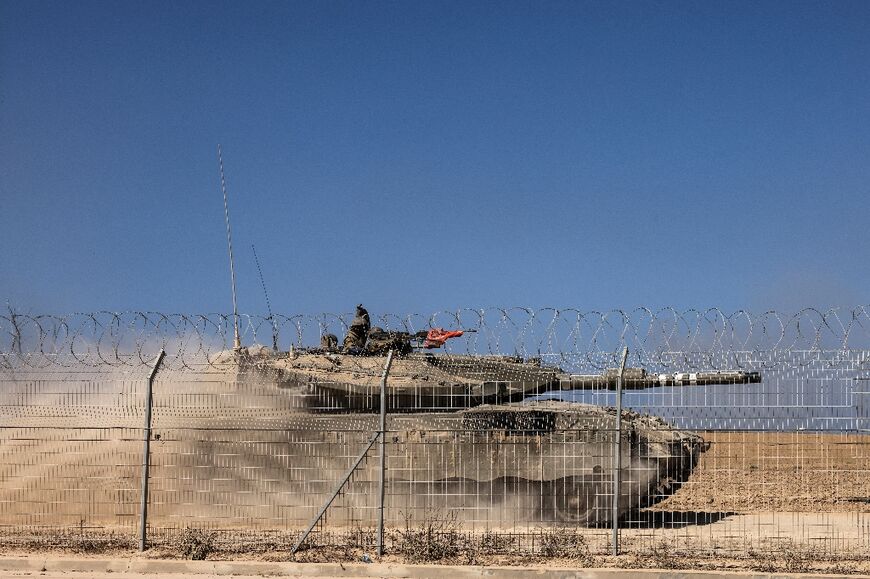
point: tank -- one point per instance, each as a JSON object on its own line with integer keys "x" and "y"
{"x": 471, "y": 427}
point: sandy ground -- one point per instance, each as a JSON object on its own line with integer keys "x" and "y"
{"x": 751, "y": 472}
{"x": 763, "y": 501}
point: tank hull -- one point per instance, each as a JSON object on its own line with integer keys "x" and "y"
{"x": 508, "y": 464}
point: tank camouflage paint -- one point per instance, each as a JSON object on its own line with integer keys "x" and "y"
{"x": 467, "y": 427}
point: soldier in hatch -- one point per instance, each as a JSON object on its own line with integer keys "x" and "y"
{"x": 358, "y": 332}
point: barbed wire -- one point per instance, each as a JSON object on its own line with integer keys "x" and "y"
{"x": 132, "y": 339}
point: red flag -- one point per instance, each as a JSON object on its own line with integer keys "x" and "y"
{"x": 437, "y": 336}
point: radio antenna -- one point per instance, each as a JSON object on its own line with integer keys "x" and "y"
{"x": 237, "y": 342}
{"x": 268, "y": 303}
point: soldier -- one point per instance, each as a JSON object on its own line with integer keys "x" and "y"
{"x": 329, "y": 343}
{"x": 358, "y": 332}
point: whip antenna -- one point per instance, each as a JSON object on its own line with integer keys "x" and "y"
{"x": 268, "y": 303}
{"x": 237, "y": 342}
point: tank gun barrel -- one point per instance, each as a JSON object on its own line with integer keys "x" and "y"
{"x": 637, "y": 379}
{"x": 546, "y": 380}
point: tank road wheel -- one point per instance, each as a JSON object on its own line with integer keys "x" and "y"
{"x": 580, "y": 500}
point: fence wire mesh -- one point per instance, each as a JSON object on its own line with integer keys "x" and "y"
{"x": 742, "y": 435}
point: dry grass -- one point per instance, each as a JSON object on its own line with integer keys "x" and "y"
{"x": 436, "y": 539}
{"x": 433, "y": 538}
{"x": 567, "y": 544}
{"x": 196, "y": 544}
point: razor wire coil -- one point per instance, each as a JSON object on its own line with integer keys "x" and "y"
{"x": 133, "y": 339}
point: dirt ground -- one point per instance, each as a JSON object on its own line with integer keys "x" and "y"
{"x": 658, "y": 555}
{"x": 765, "y": 502}
{"x": 752, "y": 472}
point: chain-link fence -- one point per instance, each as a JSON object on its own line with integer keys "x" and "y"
{"x": 741, "y": 435}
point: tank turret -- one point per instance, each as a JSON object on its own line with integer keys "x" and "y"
{"x": 424, "y": 382}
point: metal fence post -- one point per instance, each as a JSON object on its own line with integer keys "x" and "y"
{"x": 617, "y": 453}
{"x": 383, "y": 469}
{"x": 146, "y": 454}
{"x": 379, "y": 434}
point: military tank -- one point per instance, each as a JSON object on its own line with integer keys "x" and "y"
{"x": 471, "y": 427}
{"x": 466, "y": 426}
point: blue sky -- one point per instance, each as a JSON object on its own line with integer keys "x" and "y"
{"x": 421, "y": 156}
